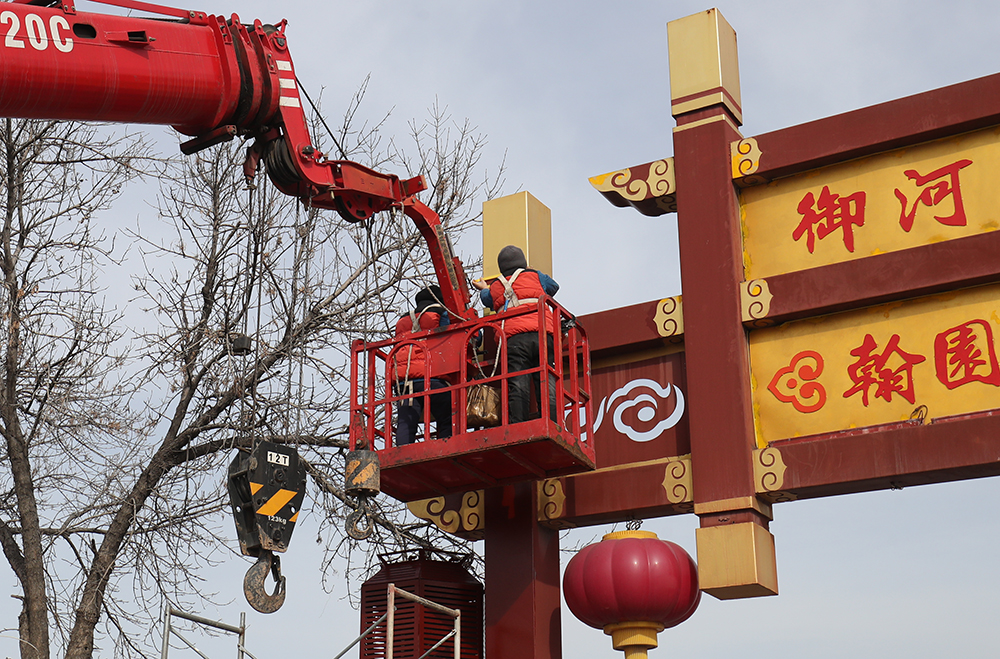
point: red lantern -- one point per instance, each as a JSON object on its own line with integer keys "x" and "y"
{"x": 632, "y": 585}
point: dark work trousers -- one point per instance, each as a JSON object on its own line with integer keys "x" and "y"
{"x": 410, "y": 412}
{"x": 522, "y": 353}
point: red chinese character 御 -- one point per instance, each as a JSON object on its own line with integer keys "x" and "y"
{"x": 932, "y": 195}
{"x": 874, "y": 369}
{"x": 827, "y": 214}
{"x": 966, "y": 354}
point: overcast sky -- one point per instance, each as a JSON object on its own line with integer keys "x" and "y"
{"x": 570, "y": 89}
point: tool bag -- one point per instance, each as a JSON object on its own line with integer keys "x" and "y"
{"x": 483, "y": 408}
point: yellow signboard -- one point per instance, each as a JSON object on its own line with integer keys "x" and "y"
{"x": 931, "y": 192}
{"x": 933, "y": 357}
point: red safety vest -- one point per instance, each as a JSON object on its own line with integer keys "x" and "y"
{"x": 525, "y": 288}
{"x": 410, "y": 359}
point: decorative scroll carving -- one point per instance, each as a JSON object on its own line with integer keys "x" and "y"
{"x": 769, "y": 475}
{"x": 552, "y": 504}
{"x": 755, "y": 297}
{"x": 473, "y": 515}
{"x": 746, "y": 157}
{"x": 650, "y": 188}
{"x": 669, "y": 317}
{"x": 459, "y": 515}
{"x": 678, "y": 484}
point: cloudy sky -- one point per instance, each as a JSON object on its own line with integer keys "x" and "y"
{"x": 570, "y": 89}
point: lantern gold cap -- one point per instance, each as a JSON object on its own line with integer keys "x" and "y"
{"x": 618, "y": 535}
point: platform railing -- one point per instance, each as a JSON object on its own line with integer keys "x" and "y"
{"x": 168, "y": 630}
{"x": 473, "y": 353}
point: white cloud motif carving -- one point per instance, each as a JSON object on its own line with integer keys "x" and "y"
{"x": 647, "y": 407}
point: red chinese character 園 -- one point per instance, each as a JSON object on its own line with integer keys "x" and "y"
{"x": 827, "y": 214}
{"x": 966, "y": 354}
{"x": 889, "y": 376}
{"x": 947, "y": 185}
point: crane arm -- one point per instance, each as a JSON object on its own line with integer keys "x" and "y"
{"x": 211, "y": 78}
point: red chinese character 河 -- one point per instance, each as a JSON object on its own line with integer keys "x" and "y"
{"x": 827, "y": 214}
{"x": 874, "y": 369}
{"x": 966, "y": 354}
{"x": 947, "y": 186}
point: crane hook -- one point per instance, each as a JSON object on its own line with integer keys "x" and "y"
{"x": 363, "y": 515}
{"x": 253, "y": 584}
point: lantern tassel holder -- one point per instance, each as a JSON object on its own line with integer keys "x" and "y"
{"x": 634, "y": 638}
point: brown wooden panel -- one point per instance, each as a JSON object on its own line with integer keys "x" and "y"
{"x": 946, "y": 111}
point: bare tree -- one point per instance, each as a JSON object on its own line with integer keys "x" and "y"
{"x": 117, "y": 440}
{"x": 61, "y": 352}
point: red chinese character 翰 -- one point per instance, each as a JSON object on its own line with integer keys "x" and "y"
{"x": 831, "y": 212}
{"x": 933, "y": 195}
{"x": 873, "y": 368}
{"x": 966, "y": 354}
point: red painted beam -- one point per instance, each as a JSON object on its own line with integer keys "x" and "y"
{"x": 892, "y": 457}
{"x": 617, "y": 495}
{"x": 625, "y": 329}
{"x": 915, "y": 272}
{"x": 864, "y": 460}
{"x": 914, "y": 119}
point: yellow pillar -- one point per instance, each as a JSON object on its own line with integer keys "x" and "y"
{"x": 518, "y": 219}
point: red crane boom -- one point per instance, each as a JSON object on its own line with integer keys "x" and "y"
{"x": 211, "y": 78}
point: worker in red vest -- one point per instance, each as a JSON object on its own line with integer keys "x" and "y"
{"x": 519, "y": 285}
{"x": 410, "y": 366}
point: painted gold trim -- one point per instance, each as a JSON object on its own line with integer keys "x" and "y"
{"x": 433, "y": 510}
{"x": 677, "y": 480}
{"x": 659, "y": 181}
{"x": 755, "y": 299}
{"x": 467, "y": 522}
{"x": 669, "y": 317}
{"x": 629, "y": 533}
{"x": 552, "y": 503}
{"x": 708, "y": 120}
{"x": 634, "y": 638}
{"x": 736, "y": 503}
{"x": 650, "y": 188}
{"x": 769, "y": 475}
{"x": 473, "y": 514}
{"x": 746, "y": 155}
